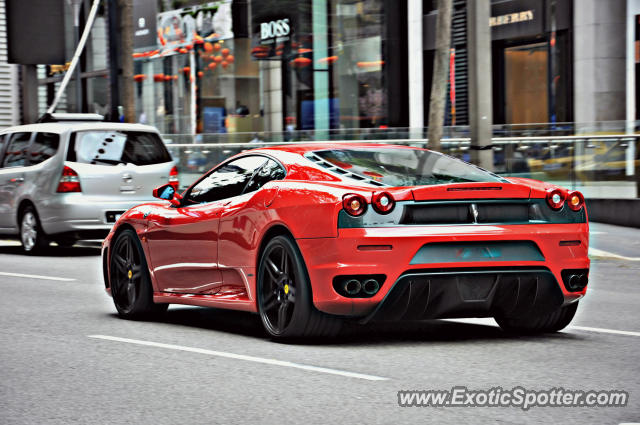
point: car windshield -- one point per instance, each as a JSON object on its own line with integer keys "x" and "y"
{"x": 117, "y": 147}
{"x": 406, "y": 167}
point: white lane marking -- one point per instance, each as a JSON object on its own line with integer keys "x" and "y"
{"x": 606, "y": 331}
{"x": 35, "y": 276}
{"x": 487, "y": 321}
{"x": 6, "y": 242}
{"x": 243, "y": 357}
{"x": 600, "y": 253}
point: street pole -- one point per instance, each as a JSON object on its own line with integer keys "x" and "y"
{"x": 440, "y": 74}
{"x": 480, "y": 89}
{"x": 114, "y": 60}
{"x": 126, "y": 58}
{"x": 77, "y": 7}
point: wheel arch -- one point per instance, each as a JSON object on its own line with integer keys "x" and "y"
{"x": 106, "y": 261}
{"x": 279, "y": 229}
{"x": 24, "y": 203}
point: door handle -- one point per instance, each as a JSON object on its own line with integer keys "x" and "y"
{"x": 16, "y": 180}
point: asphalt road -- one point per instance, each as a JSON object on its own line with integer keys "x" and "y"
{"x": 54, "y": 370}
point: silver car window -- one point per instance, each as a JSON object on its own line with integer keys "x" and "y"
{"x": 44, "y": 147}
{"x": 16, "y": 153}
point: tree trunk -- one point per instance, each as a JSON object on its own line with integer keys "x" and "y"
{"x": 440, "y": 74}
{"x": 126, "y": 51}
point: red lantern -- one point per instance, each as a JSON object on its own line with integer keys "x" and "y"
{"x": 158, "y": 78}
{"x": 225, "y": 52}
{"x": 328, "y": 60}
{"x": 208, "y": 47}
{"x": 216, "y": 46}
{"x": 230, "y": 59}
{"x": 301, "y": 62}
{"x": 224, "y": 64}
{"x": 200, "y": 74}
{"x": 139, "y": 77}
{"x": 212, "y": 65}
{"x": 217, "y": 59}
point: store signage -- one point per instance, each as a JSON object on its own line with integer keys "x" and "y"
{"x": 517, "y": 19}
{"x": 144, "y": 15}
{"x": 511, "y": 18}
{"x": 274, "y": 29}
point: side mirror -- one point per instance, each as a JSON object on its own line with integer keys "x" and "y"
{"x": 167, "y": 192}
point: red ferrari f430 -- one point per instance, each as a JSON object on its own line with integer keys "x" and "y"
{"x": 309, "y": 236}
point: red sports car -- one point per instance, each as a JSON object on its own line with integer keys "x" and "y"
{"x": 310, "y": 235}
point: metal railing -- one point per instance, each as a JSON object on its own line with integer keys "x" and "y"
{"x": 601, "y": 166}
{"x": 460, "y": 131}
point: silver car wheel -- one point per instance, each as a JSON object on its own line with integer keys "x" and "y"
{"x": 29, "y": 231}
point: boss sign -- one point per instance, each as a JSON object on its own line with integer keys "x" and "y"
{"x": 279, "y": 28}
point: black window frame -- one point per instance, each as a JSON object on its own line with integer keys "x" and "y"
{"x": 25, "y": 151}
{"x": 3, "y": 138}
{"x": 187, "y": 193}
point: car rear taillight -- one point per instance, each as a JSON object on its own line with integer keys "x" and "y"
{"x": 555, "y": 199}
{"x": 69, "y": 181}
{"x": 383, "y": 202}
{"x": 173, "y": 178}
{"x": 354, "y": 204}
{"x": 575, "y": 200}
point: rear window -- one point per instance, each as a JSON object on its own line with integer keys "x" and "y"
{"x": 406, "y": 167}
{"x": 117, "y": 147}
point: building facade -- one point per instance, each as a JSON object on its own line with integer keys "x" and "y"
{"x": 328, "y": 66}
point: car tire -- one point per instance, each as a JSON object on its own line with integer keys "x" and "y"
{"x": 284, "y": 295}
{"x": 129, "y": 279}
{"x": 545, "y": 323}
{"x": 34, "y": 241}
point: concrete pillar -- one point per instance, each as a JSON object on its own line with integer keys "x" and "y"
{"x": 416, "y": 72}
{"x": 480, "y": 90}
{"x": 599, "y": 42}
{"x": 271, "y": 78}
{"x": 321, "y": 94}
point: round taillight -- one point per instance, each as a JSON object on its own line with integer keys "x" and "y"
{"x": 354, "y": 204}
{"x": 555, "y": 198}
{"x": 383, "y": 202}
{"x": 575, "y": 200}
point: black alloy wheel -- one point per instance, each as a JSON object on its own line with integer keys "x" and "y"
{"x": 129, "y": 278}
{"x": 284, "y": 294}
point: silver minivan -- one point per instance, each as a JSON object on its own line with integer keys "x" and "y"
{"x": 67, "y": 181}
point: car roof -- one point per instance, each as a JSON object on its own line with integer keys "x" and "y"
{"x": 62, "y": 127}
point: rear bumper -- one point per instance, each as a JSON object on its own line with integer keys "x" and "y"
{"x": 327, "y": 258}
{"x": 420, "y": 295}
{"x": 77, "y": 215}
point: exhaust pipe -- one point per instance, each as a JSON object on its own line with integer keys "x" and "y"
{"x": 578, "y": 281}
{"x": 574, "y": 281}
{"x": 371, "y": 287}
{"x": 352, "y": 286}
{"x": 584, "y": 280}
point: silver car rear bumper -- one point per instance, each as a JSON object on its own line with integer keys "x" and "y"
{"x": 79, "y": 213}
